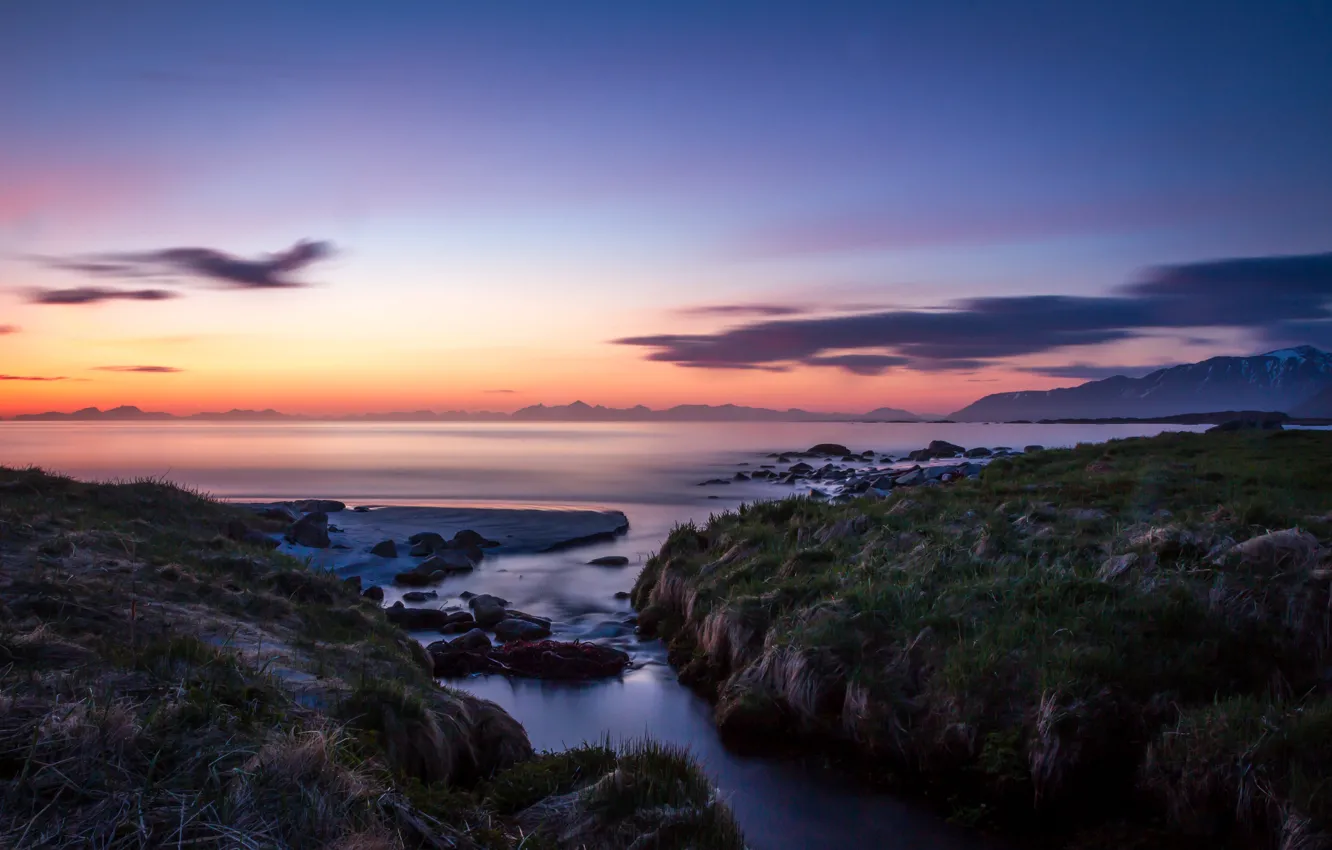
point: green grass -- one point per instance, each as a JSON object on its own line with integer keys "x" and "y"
{"x": 161, "y": 685}
{"x": 967, "y": 636}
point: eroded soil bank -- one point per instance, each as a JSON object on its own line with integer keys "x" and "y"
{"x": 1123, "y": 643}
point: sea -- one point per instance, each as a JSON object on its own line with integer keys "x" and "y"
{"x": 652, "y": 472}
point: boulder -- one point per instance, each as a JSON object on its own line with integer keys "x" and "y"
{"x": 419, "y": 578}
{"x": 979, "y": 451}
{"x": 310, "y": 530}
{"x": 467, "y": 539}
{"x": 415, "y": 619}
{"x": 712, "y": 481}
{"x": 448, "y": 561}
{"x": 548, "y": 659}
{"x": 473, "y": 639}
{"x": 911, "y": 476}
{"x": 488, "y": 610}
{"x": 419, "y": 595}
{"x": 325, "y": 506}
{"x": 278, "y": 512}
{"x": 828, "y": 449}
{"x": 374, "y": 592}
{"x": 609, "y": 561}
{"x": 801, "y": 468}
{"x": 353, "y": 582}
{"x": 385, "y": 549}
{"x": 512, "y": 628}
{"x": 740, "y": 476}
{"x": 1290, "y": 548}
{"x": 1167, "y": 542}
{"x": 1033, "y": 448}
{"x": 362, "y": 509}
{"x": 1116, "y": 566}
{"x": 943, "y": 448}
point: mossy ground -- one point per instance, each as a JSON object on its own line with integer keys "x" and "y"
{"x": 988, "y": 641}
{"x": 162, "y": 685}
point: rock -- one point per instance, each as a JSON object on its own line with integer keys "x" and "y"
{"x": 828, "y": 449}
{"x": 979, "y": 451}
{"x": 276, "y": 512}
{"x": 512, "y": 628}
{"x": 550, "y": 659}
{"x": 320, "y": 506}
{"x": 169, "y": 573}
{"x": 1086, "y": 514}
{"x": 362, "y": 509}
{"x": 849, "y": 527}
{"x": 433, "y": 539}
{"x": 354, "y": 582}
{"x": 943, "y": 448}
{"x": 467, "y": 539}
{"x": 420, "y": 550}
{"x": 415, "y": 619}
{"x": 466, "y": 595}
{"x": 457, "y": 628}
{"x": 740, "y": 476}
{"x": 801, "y": 468}
{"x": 903, "y": 506}
{"x": 310, "y": 530}
{"x": 1166, "y": 542}
{"x": 1116, "y": 566}
{"x": 712, "y": 481}
{"x": 1291, "y": 548}
{"x": 623, "y": 594}
{"x": 419, "y": 595}
{"x": 447, "y": 561}
{"x": 488, "y": 610}
{"x": 418, "y": 578}
{"x": 609, "y": 561}
{"x": 385, "y": 549}
{"x": 374, "y": 592}
{"x": 911, "y": 476}
{"x": 473, "y": 639}
{"x": 1033, "y": 448}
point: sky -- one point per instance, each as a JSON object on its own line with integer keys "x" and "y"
{"x": 335, "y": 207}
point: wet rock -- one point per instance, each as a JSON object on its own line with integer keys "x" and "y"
{"x": 277, "y": 512}
{"x": 419, "y": 595}
{"x": 979, "y": 451}
{"x": 740, "y": 476}
{"x": 310, "y": 530}
{"x": 801, "y": 468}
{"x": 354, "y": 582}
{"x": 488, "y": 610}
{"x": 447, "y": 561}
{"x": 374, "y": 592}
{"x": 828, "y": 449}
{"x": 419, "y": 578}
{"x": 623, "y": 594}
{"x": 415, "y": 619}
{"x": 1033, "y": 448}
{"x": 325, "y": 506}
{"x": 911, "y": 476}
{"x": 473, "y": 639}
{"x": 467, "y": 539}
{"x": 385, "y": 549}
{"x": 362, "y": 509}
{"x": 712, "y": 481}
{"x": 512, "y": 628}
{"x": 943, "y": 448}
{"x": 609, "y": 561}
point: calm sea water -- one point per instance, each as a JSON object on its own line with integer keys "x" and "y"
{"x": 650, "y": 471}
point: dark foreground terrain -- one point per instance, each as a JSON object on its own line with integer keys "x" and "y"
{"x": 162, "y": 685}
{"x": 1116, "y": 645}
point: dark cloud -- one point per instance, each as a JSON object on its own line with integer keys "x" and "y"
{"x": 1278, "y": 297}
{"x": 743, "y": 310}
{"x": 859, "y": 364}
{"x": 31, "y": 378}
{"x": 504, "y": 392}
{"x": 151, "y": 369}
{"x": 271, "y": 271}
{"x": 8, "y": 329}
{"x": 96, "y": 295}
{"x": 1092, "y": 372}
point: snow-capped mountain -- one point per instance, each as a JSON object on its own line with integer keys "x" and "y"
{"x": 1281, "y": 380}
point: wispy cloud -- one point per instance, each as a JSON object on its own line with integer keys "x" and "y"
{"x": 8, "y": 329}
{"x": 96, "y": 295}
{"x": 1093, "y": 372}
{"x": 149, "y": 369}
{"x": 271, "y": 271}
{"x": 32, "y": 378}
{"x": 1281, "y": 298}
{"x": 501, "y": 392}
{"x": 742, "y": 310}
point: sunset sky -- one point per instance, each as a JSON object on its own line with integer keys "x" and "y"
{"x": 337, "y": 207}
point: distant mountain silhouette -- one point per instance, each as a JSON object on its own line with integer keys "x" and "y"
{"x": 1283, "y": 380}
{"x": 575, "y": 412}
{"x": 1318, "y": 407}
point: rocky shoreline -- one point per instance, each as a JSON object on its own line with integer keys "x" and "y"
{"x": 1077, "y": 644}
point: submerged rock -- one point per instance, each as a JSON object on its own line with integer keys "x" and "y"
{"x": 609, "y": 561}
{"x": 415, "y": 619}
{"x": 385, "y": 549}
{"x": 512, "y": 628}
{"x": 546, "y": 659}
{"x": 828, "y": 449}
{"x": 419, "y": 595}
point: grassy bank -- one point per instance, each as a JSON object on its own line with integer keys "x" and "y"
{"x": 1100, "y": 641}
{"x": 164, "y": 685}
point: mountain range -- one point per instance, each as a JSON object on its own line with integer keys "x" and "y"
{"x": 576, "y": 412}
{"x": 1297, "y": 381}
